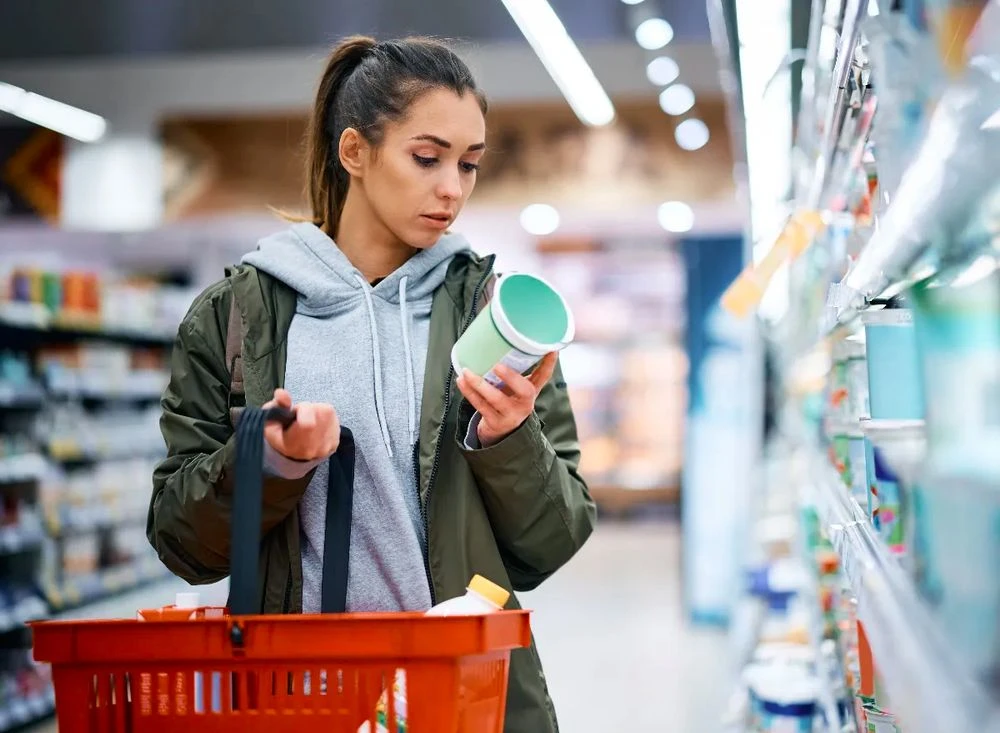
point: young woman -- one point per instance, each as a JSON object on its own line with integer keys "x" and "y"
{"x": 353, "y": 316}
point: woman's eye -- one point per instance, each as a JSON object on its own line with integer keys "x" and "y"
{"x": 424, "y": 162}
{"x": 470, "y": 167}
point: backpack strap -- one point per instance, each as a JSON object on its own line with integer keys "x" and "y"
{"x": 234, "y": 361}
{"x": 487, "y": 295}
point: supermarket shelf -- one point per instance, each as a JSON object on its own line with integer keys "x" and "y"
{"x": 929, "y": 689}
{"x": 71, "y": 520}
{"x": 18, "y": 397}
{"x": 16, "y": 539}
{"x": 21, "y": 468}
{"x": 28, "y": 609}
{"x": 23, "y": 322}
{"x": 17, "y": 714}
{"x": 103, "y": 585}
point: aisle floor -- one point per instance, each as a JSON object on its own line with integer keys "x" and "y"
{"x": 618, "y": 653}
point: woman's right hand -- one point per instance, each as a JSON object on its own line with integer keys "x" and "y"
{"x": 314, "y": 434}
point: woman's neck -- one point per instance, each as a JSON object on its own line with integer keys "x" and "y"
{"x": 367, "y": 242}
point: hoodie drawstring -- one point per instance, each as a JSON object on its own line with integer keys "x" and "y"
{"x": 411, "y": 387}
{"x": 411, "y": 391}
{"x": 376, "y": 363}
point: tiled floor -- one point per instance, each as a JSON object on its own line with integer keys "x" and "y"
{"x": 618, "y": 653}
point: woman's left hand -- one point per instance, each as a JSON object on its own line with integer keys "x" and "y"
{"x": 504, "y": 411}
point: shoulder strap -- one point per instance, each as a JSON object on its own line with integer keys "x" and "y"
{"x": 487, "y": 295}
{"x": 234, "y": 360}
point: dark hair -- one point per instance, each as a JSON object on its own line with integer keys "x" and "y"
{"x": 366, "y": 84}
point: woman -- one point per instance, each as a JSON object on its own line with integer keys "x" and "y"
{"x": 350, "y": 314}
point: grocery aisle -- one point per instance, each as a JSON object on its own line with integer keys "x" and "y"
{"x": 617, "y": 651}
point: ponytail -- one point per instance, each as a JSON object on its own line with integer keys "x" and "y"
{"x": 327, "y": 181}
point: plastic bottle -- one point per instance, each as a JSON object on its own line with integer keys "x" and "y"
{"x": 481, "y": 597}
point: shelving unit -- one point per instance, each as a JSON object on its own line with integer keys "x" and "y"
{"x": 895, "y": 206}
{"x": 926, "y": 684}
{"x": 78, "y": 439}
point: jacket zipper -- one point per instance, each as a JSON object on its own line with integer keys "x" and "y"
{"x": 444, "y": 426}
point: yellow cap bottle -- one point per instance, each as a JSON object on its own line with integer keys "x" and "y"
{"x": 489, "y": 590}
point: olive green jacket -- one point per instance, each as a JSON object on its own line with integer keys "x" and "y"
{"x": 514, "y": 512}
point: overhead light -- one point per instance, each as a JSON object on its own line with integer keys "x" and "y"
{"x": 675, "y": 216}
{"x": 692, "y": 134}
{"x": 654, "y": 33}
{"x": 540, "y": 219}
{"x": 662, "y": 70}
{"x": 562, "y": 59}
{"x": 676, "y": 99}
{"x": 632, "y": 2}
{"x": 63, "y": 118}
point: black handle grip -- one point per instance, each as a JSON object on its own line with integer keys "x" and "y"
{"x": 248, "y": 497}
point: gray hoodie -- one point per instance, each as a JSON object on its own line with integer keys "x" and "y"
{"x": 361, "y": 348}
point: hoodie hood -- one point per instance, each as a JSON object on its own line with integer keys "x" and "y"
{"x": 331, "y": 289}
{"x": 308, "y": 261}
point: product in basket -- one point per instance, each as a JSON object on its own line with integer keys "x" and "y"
{"x": 481, "y": 597}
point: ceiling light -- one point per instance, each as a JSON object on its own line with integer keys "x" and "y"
{"x": 692, "y": 134}
{"x": 654, "y": 33}
{"x": 632, "y": 2}
{"x": 70, "y": 121}
{"x": 540, "y": 219}
{"x": 676, "y": 99}
{"x": 562, "y": 59}
{"x": 662, "y": 70}
{"x": 675, "y": 216}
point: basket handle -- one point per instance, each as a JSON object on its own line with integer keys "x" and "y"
{"x": 248, "y": 497}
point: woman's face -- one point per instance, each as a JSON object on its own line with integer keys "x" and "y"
{"x": 420, "y": 177}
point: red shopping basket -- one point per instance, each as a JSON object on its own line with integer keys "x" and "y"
{"x": 210, "y": 670}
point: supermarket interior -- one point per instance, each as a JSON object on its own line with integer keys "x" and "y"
{"x": 775, "y": 225}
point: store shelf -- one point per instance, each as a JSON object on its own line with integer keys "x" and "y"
{"x": 25, "y": 322}
{"x": 21, "y": 468}
{"x": 929, "y": 689}
{"x": 70, "y": 520}
{"x": 21, "y": 538}
{"x": 103, "y": 585}
{"x": 27, "y": 609}
{"x": 17, "y": 714}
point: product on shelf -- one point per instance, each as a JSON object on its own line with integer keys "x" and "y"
{"x": 17, "y": 384}
{"x": 102, "y": 371}
{"x": 71, "y": 433}
{"x": 894, "y": 385}
{"x": 783, "y": 698}
{"x": 88, "y": 300}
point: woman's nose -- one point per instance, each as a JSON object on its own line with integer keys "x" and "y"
{"x": 450, "y": 187}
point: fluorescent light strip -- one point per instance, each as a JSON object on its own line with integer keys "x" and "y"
{"x": 563, "y": 60}
{"x": 63, "y": 118}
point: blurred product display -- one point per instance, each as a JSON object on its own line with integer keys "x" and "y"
{"x": 876, "y": 532}
{"x": 627, "y": 370}
{"x": 83, "y": 364}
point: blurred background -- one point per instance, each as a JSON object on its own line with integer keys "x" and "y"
{"x": 642, "y": 154}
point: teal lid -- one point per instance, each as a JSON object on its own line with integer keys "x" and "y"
{"x": 532, "y": 310}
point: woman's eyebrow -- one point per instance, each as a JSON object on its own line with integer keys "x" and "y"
{"x": 441, "y": 142}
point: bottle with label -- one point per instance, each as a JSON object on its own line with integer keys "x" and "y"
{"x": 481, "y": 597}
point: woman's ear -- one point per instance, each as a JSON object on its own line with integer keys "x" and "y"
{"x": 353, "y": 151}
